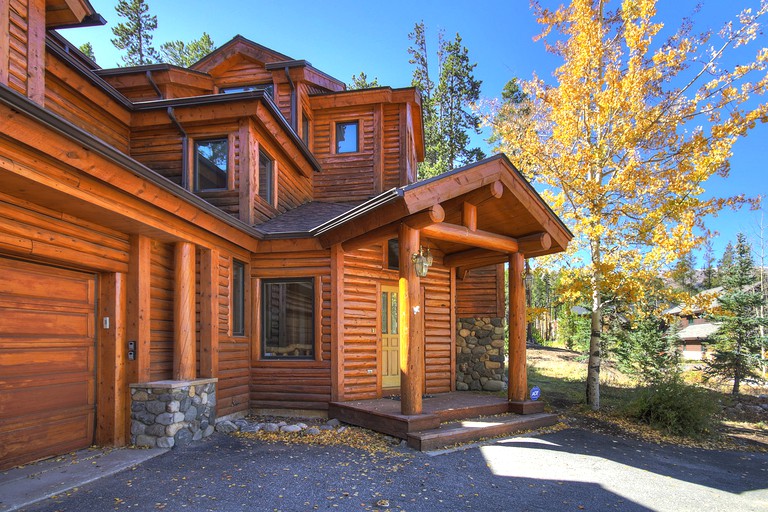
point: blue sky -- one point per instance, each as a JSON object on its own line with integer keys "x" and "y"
{"x": 343, "y": 38}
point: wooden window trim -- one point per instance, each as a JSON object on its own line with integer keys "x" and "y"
{"x": 256, "y": 352}
{"x": 359, "y": 136}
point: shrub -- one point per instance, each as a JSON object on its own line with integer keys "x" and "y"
{"x": 673, "y": 407}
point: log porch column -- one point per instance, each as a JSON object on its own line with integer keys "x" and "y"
{"x": 184, "y": 312}
{"x": 411, "y": 324}
{"x": 518, "y": 379}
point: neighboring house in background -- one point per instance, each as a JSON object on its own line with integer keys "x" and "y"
{"x": 181, "y": 245}
{"x": 694, "y": 326}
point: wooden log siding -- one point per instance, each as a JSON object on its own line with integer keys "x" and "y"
{"x": 16, "y": 18}
{"x": 391, "y": 147}
{"x": 78, "y": 101}
{"x": 232, "y": 392}
{"x": 161, "y": 312}
{"x": 479, "y": 294}
{"x": 160, "y": 149}
{"x": 349, "y": 176}
{"x": 363, "y": 276}
{"x": 294, "y": 384}
{"x": 30, "y": 230}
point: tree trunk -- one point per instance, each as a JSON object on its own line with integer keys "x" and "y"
{"x": 593, "y": 366}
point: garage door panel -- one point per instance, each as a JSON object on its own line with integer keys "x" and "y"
{"x": 46, "y": 436}
{"x": 23, "y": 280}
{"x": 50, "y": 360}
{"x": 32, "y": 398}
{"x": 26, "y": 322}
{"x": 47, "y": 361}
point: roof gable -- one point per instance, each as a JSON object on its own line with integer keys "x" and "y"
{"x": 238, "y": 47}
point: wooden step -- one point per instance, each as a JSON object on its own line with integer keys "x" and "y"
{"x": 475, "y": 429}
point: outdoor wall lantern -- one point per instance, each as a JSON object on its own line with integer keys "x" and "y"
{"x": 422, "y": 260}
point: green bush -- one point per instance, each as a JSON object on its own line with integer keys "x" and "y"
{"x": 676, "y": 408}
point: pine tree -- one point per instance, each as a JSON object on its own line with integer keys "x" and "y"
{"x": 135, "y": 35}
{"x": 87, "y": 49}
{"x": 710, "y": 272}
{"x": 737, "y": 340}
{"x": 185, "y": 54}
{"x": 447, "y": 105}
{"x": 726, "y": 262}
{"x": 684, "y": 273}
{"x": 361, "y": 82}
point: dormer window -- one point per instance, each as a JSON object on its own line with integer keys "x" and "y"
{"x": 211, "y": 164}
{"x": 347, "y": 137}
{"x": 269, "y": 89}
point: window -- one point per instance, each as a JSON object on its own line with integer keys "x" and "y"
{"x": 347, "y": 137}
{"x": 393, "y": 254}
{"x": 269, "y": 89}
{"x": 238, "y": 298}
{"x": 211, "y": 164}
{"x": 288, "y": 318}
{"x": 305, "y": 129}
{"x": 266, "y": 185}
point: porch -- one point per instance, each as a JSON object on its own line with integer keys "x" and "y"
{"x": 445, "y": 419}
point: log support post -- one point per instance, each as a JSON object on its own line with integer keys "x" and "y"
{"x": 518, "y": 376}
{"x": 411, "y": 325}
{"x": 209, "y": 313}
{"x": 184, "y": 312}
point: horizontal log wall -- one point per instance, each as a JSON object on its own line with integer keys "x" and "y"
{"x": 349, "y": 176}
{"x": 15, "y": 61}
{"x": 161, "y": 312}
{"x": 481, "y": 293}
{"x": 232, "y": 393}
{"x": 363, "y": 275}
{"x": 391, "y": 147}
{"x": 295, "y": 384}
{"x": 34, "y": 232}
{"x": 84, "y": 105}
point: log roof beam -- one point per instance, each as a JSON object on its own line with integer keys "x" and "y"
{"x": 428, "y": 217}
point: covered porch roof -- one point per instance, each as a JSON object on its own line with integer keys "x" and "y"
{"x": 476, "y": 215}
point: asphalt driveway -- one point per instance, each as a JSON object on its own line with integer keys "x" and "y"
{"x": 571, "y": 469}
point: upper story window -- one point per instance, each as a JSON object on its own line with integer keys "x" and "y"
{"x": 347, "y": 137}
{"x": 266, "y": 177}
{"x": 211, "y": 164}
{"x": 267, "y": 88}
{"x": 305, "y": 129}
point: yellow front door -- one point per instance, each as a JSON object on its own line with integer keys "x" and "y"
{"x": 390, "y": 339}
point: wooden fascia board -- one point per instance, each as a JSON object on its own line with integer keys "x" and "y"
{"x": 438, "y": 191}
{"x": 357, "y": 225}
{"x": 142, "y": 192}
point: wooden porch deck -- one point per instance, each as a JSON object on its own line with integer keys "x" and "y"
{"x": 447, "y": 418}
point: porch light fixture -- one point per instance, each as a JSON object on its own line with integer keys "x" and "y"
{"x": 422, "y": 260}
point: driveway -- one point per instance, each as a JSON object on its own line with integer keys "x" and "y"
{"x": 571, "y": 469}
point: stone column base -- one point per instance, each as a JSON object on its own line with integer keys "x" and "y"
{"x": 170, "y": 413}
{"x": 525, "y": 407}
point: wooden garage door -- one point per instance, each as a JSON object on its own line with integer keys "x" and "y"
{"x": 47, "y": 361}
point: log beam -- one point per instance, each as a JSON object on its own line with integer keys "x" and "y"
{"x": 411, "y": 325}
{"x": 469, "y": 216}
{"x": 479, "y": 238}
{"x": 518, "y": 380}
{"x": 184, "y": 311}
{"x": 432, "y": 215}
{"x": 534, "y": 243}
{"x": 473, "y": 258}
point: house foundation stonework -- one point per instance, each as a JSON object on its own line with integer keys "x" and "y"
{"x": 480, "y": 354}
{"x": 172, "y": 413}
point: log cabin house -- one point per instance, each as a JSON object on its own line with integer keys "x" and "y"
{"x": 241, "y": 235}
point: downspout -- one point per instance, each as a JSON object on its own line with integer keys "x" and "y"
{"x": 294, "y": 116}
{"x": 184, "y": 146}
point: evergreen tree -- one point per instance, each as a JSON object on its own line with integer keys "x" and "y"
{"x": 87, "y": 49}
{"x": 649, "y": 350}
{"x": 446, "y": 106}
{"x": 725, "y": 264}
{"x": 185, "y": 54}
{"x": 361, "y": 82}
{"x": 737, "y": 340}
{"x": 684, "y": 273}
{"x": 135, "y": 35}
{"x": 710, "y": 273}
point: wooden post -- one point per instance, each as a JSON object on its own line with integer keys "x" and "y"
{"x": 184, "y": 312}
{"x": 411, "y": 325}
{"x": 112, "y": 404}
{"x": 518, "y": 379}
{"x": 337, "y": 323}
{"x": 139, "y": 306}
{"x": 209, "y": 313}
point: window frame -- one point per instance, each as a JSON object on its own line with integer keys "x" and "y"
{"x": 242, "y": 305}
{"x": 229, "y": 170}
{"x": 259, "y": 342}
{"x": 267, "y": 88}
{"x": 272, "y": 189}
{"x": 336, "y": 126}
{"x": 388, "y": 264}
